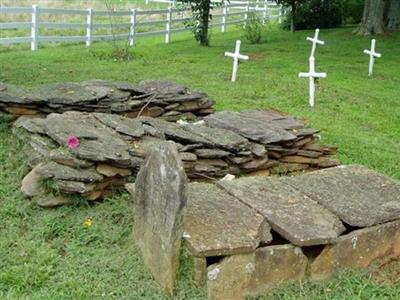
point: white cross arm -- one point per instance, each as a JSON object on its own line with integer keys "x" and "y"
{"x": 315, "y": 40}
{"x": 369, "y": 52}
{"x": 313, "y": 75}
{"x": 234, "y": 55}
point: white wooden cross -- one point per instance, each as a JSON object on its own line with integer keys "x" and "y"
{"x": 315, "y": 41}
{"x": 312, "y": 75}
{"x": 236, "y": 56}
{"x": 372, "y": 54}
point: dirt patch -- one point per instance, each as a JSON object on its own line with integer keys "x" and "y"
{"x": 387, "y": 271}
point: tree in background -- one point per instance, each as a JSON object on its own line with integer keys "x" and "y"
{"x": 201, "y": 10}
{"x": 393, "y": 21}
{"x": 379, "y": 15}
{"x": 293, "y": 10}
{"x": 311, "y": 14}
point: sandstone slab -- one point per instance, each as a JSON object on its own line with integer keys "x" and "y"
{"x": 218, "y": 224}
{"x": 254, "y": 129}
{"x": 238, "y": 276}
{"x": 359, "y": 196}
{"x": 358, "y": 249}
{"x": 160, "y": 201}
{"x": 292, "y": 214}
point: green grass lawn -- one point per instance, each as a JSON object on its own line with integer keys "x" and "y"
{"x": 50, "y": 254}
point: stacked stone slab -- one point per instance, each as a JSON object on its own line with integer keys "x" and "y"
{"x": 251, "y": 234}
{"x": 162, "y": 99}
{"x": 112, "y": 148}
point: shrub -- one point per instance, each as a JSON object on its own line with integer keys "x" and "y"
{"x": 253, "y": 29}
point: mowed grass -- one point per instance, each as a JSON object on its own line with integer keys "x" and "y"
{"x": 50, "y": 254}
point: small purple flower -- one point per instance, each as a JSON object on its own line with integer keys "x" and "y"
{"x": 73, "y": 142}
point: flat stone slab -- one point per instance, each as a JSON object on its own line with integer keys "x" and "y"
{"x": 359, "y": 196}
{"x": 238, "y": 276}
{"x": 358, "y": 249}
{"x": 258, "y": 130}
{"x": 218, "y": 224}
{"x": 292, "y": 214}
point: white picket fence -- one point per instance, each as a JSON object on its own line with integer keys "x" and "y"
{"x": 171, "y": 17}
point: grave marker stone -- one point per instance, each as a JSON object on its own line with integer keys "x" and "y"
{"x": 160, "y": 201}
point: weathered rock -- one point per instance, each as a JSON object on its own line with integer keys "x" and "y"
{"x": 211, "y": 153}
{"x": 308, "y": 153}
{"x": 154, "y": 111}
{"x": 359, "y": 196}
{"x": 153, "y": 99}
{"x": 325, "y": 149}
{"x": 210, "y": 210}
{"x": 258, "y": 150}
{"x": 175, "y": 132}
{"x": 30, "y": 185}
{"x": 111, "y": 171}
{"x": 61, "y": 172}
{"x": 33, "y": 125}
{"x": 130, "y": 187}
{"x": 123, "y": 125}
{"x": 238, "y": 276}
{"x": 255, "y": 164}
{"x": 358, "y": 249}
{"x": 225, "y": 139}
{"x": 64, "y": 157}
{"x": 49, "y": 201}
{"x": 292, "y": 214}
{"x": 97, "y": 142}
{"x": 284, "y": 168}
{"x": 239, "y": 160}
{"x": 256, "y": 130}
{"x": 120, "y": 145}
{"x": 187, "y": 156}
{"x": 278, "y": 119}
{"x": 159, "y": 207}
{"x": 67, "y": 186}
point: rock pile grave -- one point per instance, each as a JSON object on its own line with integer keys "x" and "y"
{"x": 112, "y": 148}
{"x": 249, "y": 235}
{"x": 162, "y": 99}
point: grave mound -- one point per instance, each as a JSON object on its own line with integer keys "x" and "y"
{"x": 163, "y": 99}
{"x": 112, "y": 148}
{"x": 248, "y": 235}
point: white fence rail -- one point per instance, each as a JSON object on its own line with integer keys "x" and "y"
{"x": 173, "y": 20}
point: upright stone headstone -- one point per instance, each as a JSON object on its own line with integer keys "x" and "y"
{"x": 160, "y": 201}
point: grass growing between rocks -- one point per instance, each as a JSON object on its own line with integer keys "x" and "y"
{"x": 52, "y": 254}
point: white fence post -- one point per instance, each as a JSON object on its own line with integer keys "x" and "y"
{"x": 168, "y": 26}
{"x": 224, "y": 17}
{"x": 89, "y": 26}
{"x": 265, "y": 12}
{"x": 246, "y": 15}
{"x": 34, "y": 27}
{"x": 280, "y": 14}
{"x": 132, "y": 33}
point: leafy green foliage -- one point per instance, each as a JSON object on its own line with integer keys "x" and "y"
{"x": 313, "y": 14}
{"x": 201, "y": 11}
{"x": 253, "y": 29}
{"x": 352, "y": 11}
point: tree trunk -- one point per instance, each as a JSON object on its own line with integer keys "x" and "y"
{"x": 394, "y": 15}
{"x": 205, "y": 18}
{"x": 373, "y": 18}
{"x": 293, "y": 18}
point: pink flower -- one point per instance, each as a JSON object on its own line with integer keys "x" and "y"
{"x": 73, "y": 142}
